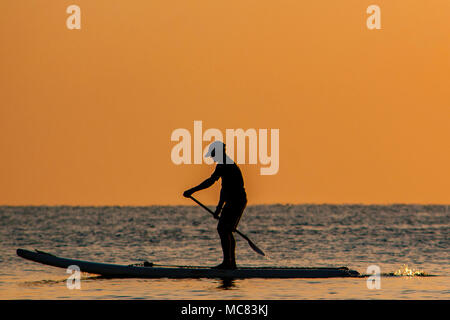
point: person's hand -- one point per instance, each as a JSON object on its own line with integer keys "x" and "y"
{"x": 188, "y": 193}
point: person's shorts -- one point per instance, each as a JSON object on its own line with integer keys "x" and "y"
{"x": 231, "y": 215}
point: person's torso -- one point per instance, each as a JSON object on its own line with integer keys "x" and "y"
{"x": 232, "y": 182}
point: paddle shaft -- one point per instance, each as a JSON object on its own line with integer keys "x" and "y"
{"x": 252, "y": 245}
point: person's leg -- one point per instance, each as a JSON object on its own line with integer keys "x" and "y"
{"x": 232, "y": 248}
{"x": 228, "y": 245}
{"x": 237, "y": 210}
{"x": 229, "y": 219}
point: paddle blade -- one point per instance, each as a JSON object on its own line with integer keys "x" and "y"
{"x": 256, "y": 249}
{"x": 251, "y": 244}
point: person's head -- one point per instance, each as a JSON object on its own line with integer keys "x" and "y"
{"x": 216, "y": 151}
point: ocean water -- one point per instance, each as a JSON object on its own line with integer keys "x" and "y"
{"x": 356, "y": 236}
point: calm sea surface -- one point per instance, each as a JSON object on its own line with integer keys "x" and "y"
{"x": 356, "y": 236}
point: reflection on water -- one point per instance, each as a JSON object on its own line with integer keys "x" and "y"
{"x": 36, "y": 283}
{"x": 293, "y": 235}
{"x": 226, "y": 284}
{"x": 212, "y": 289}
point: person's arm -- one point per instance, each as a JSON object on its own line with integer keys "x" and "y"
{"x": 205, "y": 184}
{"x": 219, "y": 205}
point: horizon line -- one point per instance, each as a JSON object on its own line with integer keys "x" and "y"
{"x": 249, "y": 205}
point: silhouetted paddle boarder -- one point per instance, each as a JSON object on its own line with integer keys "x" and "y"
{"x": 233, "y": 200}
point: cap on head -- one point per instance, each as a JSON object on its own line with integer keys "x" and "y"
{"x": 214, "y": 148}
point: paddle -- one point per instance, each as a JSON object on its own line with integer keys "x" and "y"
{"x": 251, "y": 244}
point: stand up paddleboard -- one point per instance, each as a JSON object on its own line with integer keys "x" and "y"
{"x": 151, "y": 271}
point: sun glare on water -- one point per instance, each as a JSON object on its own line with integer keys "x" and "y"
{"x": 406, "y": 271}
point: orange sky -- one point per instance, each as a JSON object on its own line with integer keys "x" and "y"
{"x": 86, "y": 115}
